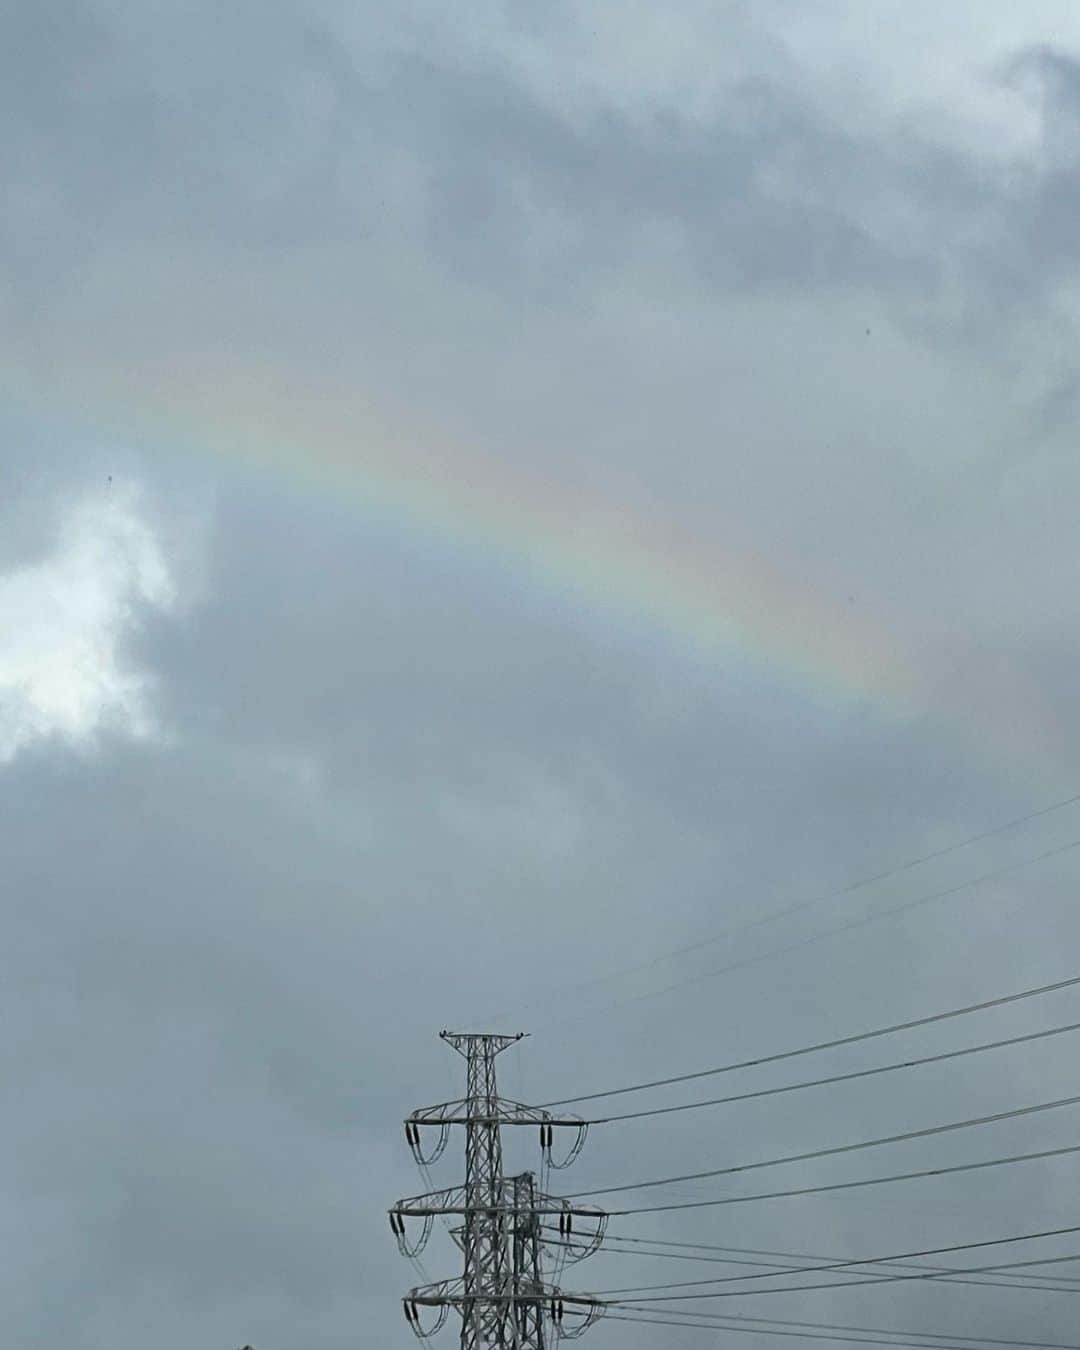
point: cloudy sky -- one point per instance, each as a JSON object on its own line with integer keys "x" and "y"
{"x": 493, "y": 495}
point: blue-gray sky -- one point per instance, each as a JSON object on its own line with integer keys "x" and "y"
{"x": 490, "y": 498}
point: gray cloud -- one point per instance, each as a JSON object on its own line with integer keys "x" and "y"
{"x": 397, "y": 756}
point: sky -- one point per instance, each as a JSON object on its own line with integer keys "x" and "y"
{"x": 492, "y": 498}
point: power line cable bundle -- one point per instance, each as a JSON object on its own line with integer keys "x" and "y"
{"x": 503, "y": 1298}
{"x": 810, "y": 902}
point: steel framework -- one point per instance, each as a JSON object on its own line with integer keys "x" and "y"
{"x": 501, "y": 1297}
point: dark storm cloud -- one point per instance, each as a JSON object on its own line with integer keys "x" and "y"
{"x": 227, "y": 952}
{"x": 275, "y": 134}
{"x": 226, "y": 985}
{"x": 278, "y": 133}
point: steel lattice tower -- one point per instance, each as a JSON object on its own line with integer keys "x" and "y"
{"x": 530, "y": 1296}
{"x": 487, "y": 1258}
{"x": 501, "y": 1296}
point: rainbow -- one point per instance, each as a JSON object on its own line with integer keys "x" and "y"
{"x": 589, "y": 552}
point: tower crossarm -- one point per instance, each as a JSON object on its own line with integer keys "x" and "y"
{"x": 464, "y": 1042}
{"x": 452, "y": 1293}
{"x": 456, "y": 1200}
{"x": 523, "y": 1307}
{"x": 505, "y": 1113}
{"x": 490, "y": 1114}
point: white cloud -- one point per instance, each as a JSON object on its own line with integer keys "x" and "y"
{"x": 65, "y": 621}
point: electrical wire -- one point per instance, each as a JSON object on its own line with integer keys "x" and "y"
{"x": 953, "y": 1343}
{"x": 849, "y": 1185}
{"x": 778, "y": 1270}
{"x": 1025, "y": 1283}
{"x": 840, "y": 1284}
{"x": 876, "y": 917}
{"x": 669, "y": 1321}
{"x": 924, "y": 1133}
{"x": 833, "y": 1044}
{"x": 748, "y": 1322}
{"x": 414, "y": 1258}
{"x": 764, "y": 1324}
{"x": 837, "y": 1078}
{"x": 848, "y": 1261}
{"x": 868, "y": 1277}
{"x": 824, "y": 898}
{"x": 839, "y": 1263}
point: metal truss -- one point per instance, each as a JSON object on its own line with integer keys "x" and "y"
{"x": 501, "y": 1297}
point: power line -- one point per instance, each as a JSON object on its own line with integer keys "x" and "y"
{"x": 690, "y": 1325}
{"x": 1030, "y": 1283}
{"x": 835, "y": 1149}
{"x": 876, "y": 917}
{"x": 840, "y": 1263}
{"x": 823, "y": 898}
{"x": 757, "y": 1323}
{"x": 893, "y": 1331}
{"x": 777, "y": 1269}
{"x": 833, "y": 1044}
{"x": 840, "y": 1284}
{"x": 684, "y": 1321}
{"x": 947, "y": 1343}
{"x": 837, "y": 1078}
{"x": 868, "y": 1277}
{"x": 850, "y": 1185}
{"x": 836, "y": 1262}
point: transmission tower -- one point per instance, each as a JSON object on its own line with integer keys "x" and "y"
{"x": 501, "y": 1296}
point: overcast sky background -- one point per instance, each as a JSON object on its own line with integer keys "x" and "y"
{"x": 335, "y": 339}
